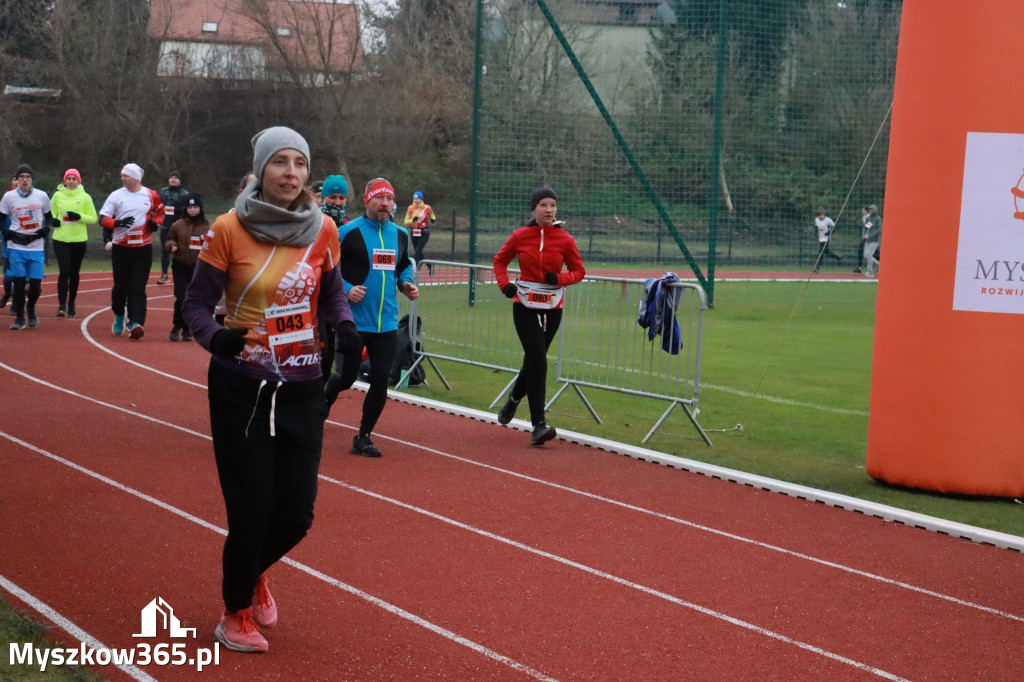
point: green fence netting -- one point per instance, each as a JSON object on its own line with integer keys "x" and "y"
{"x": 672, "y": 127}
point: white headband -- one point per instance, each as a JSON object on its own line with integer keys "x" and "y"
{"x": 133, "y": 170}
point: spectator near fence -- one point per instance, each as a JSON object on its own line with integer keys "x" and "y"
{"x": 823, "y": 226}
{"x": 542, "y": 247}
{"x": 75, "y": 209}
{"x": 375, "y": 264}
{"x": 276, "y": 259}
{"x": 129, "y": 217}
{"x": 31, "y": 220}
{"x": 872, "y": 240}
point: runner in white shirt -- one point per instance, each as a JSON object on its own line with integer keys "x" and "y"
{"x": 129, "y": 216}
{"x": 31, "y": 220}
{"x": 824, "y": 226}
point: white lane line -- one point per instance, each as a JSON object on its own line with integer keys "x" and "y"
{"x": 607, "y": 500}
{"x": 498, "y": 538}
{"x": 756, "y": 543}
{"x": 783, "y": 401}
{"x": 90, "y": 339}
{"x": 622, "y": 581}
{"x": 69, "y": 627}
{"x": 387, "y": 606}
{"x": 708, "y": 529}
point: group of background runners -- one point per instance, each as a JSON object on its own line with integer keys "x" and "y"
{"x": 268, "y": 283}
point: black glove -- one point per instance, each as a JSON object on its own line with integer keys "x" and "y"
{"x": 125, "y": 222}
{"x": 72, "y": 215}
{"x": 509, "y": 290}
{"x": 551, "y": 278}
{"x": 41, "y": 232}
{"x": 53, "y": 221}
{"x": 348, "y": 340}
{"x": 153, "y": 225}
{"x": 332, "y": 387}
{"x": 228, "y": 343}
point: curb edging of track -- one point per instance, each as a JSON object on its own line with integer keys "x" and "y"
{"x": 882, "y": 511}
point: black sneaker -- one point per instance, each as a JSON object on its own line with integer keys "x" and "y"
{"x": 62, "y": 311}
{"x": 507, "y": 411}
{"x": 33, "y": 321}
{"x": 362, "y": 445}
{"x": 542, "y": 433}
{"x": 175, "y": 334}
{"x": 19, "y": 324}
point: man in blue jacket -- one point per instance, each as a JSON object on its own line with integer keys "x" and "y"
{"x": 375, "y": 265}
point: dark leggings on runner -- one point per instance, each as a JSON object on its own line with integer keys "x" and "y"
{"x": 380, "y": 349}
{"x": 69, "y": 259}
{"x": 536, "y": 329}
{"x": 269, "y": 482}
{"x": 131, "y": 272}
{"x": 182, "y": 273}
{"x": 18, "y": 302}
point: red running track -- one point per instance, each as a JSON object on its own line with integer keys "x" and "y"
{"x": 462, "y": 553}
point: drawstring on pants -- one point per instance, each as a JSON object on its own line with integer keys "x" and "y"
{"x": 273, "y": 407}
{"x": 542, "y": 320}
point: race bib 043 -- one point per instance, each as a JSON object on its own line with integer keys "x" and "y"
{"x": 287, "y": 327}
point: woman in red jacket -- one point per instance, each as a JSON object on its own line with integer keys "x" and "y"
{"x": 542, "y": 247}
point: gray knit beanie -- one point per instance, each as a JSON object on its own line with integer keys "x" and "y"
{"x": 268, "y": 142}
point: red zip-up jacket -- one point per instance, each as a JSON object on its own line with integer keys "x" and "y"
{"x": 539, "y": 250}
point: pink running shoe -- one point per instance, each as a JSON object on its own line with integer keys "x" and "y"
{"x": 264, "y": 608}
{"x": 238, "y": 632}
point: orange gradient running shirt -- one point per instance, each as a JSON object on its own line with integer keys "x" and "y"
{"x": 272, "y": 291}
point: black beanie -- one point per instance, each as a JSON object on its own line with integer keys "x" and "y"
{"x": 195, "y": 200}
{"x": 24, "y": 168}
{"x": 174, "y": 174}
{"x": 542, "y": 192}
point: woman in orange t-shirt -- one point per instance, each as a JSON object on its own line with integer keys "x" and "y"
{"x": 275, "y": 258}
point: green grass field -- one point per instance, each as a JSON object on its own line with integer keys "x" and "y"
{"x": 789, "y": 361}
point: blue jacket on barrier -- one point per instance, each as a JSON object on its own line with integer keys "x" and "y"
{"x": 657, "y": 312}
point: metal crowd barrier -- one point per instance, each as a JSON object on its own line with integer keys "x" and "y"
{"x": 600, "y": 344}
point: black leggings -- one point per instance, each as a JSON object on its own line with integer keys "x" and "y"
{"x": 69, "y": 259}
{"x": 269, "y": 482}
{"x": 131, "y": 272}
{"x": 536, "y": 329}
{"x": 18, "y": 302}
{"x": 380, "y": 349}
{"x": 418, "y": 243}
{"x": 182, "y": 277}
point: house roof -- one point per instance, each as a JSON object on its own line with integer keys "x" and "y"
{"x": 312, "y": 34}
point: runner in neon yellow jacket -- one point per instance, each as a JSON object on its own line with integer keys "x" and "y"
{"x": 74, "y": 208}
